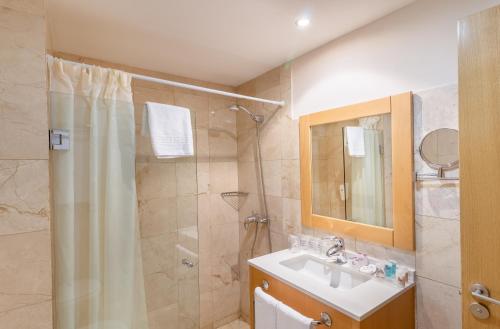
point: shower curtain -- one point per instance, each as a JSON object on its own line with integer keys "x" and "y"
{"x": 367, "y": 175}
{"x": 98, "y": 278}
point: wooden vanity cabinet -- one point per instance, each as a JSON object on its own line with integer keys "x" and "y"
{"x": 398, "y": 314}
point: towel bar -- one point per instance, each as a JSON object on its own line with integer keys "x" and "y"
{"x": 325, "y": 319}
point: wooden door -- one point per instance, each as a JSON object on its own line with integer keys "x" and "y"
{"x": 479, "y": 98}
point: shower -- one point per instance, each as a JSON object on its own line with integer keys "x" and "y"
{"x": 257, "y": 218}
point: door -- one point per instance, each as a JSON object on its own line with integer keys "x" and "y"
{"x": 479, "y": 98}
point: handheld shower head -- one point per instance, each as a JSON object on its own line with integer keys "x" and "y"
{"x": 255, "y": 117}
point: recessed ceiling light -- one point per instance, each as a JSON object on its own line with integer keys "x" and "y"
{"x": 303, "y": 22}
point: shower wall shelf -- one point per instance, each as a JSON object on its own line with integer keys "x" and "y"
{"x": 233, "y": 198}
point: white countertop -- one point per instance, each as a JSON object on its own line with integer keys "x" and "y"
{"x": 357, "y": 303}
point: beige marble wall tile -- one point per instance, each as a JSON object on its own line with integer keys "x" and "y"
{"x": 272, "y": 171}
{"x": 224, "y": 241}
{"x": 206, "y": 316}
{"x": 158, "y": 216}
{"x": 437, "y": 200}
{"x": 270, "y": 137}
{"x": 35, "y": 7}
{"x": 290, "y": 139}
{"x": 23, "y": 49}
{"x": 37, "y": 316}
{"x": 247, "y": 177}
{"x": 25, "y": 270}
{"x": 156, "y": 179}
{"x": 23, "y": 122}
{"x": 438, "y": 249}
{"x": 247, "y": 145}
{"x": 290, "y": 179}
{"x": 438, "y": 305}
{"x": 223, "y": 145}
{"x": 403, "y": 257}
{"x": 292, "y": 215}
{"x": 221, "y": 212}
{"x": 195, "y": 102}
{"x": 24, "y": 196}
{"x": 161, "y": 290}
{"x": 225, "y": 271}
{"x": 223, "y": 177}
{"x": 220, "y": 118}
{"x": 158, "y": 254}
{"x": 226, "y": 304}
{"x": 186, "y": 178}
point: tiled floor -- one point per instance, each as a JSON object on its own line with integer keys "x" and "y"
{"x": 236, "y": 324}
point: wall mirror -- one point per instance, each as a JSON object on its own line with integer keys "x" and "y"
{"x": 357, "y": 171}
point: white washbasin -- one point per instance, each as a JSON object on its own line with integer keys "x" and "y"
{"x": 333, "y": 275}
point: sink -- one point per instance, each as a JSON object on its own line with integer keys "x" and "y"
{"x": 333, "y": 275}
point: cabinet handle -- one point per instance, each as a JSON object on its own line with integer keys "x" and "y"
{"x": 265, "y": 285}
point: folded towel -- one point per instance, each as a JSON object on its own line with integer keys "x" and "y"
{"x": 288, "y": 318}
{"x": 170, "y": 129}
{"x": 265, "y": 310}
{"x": 355, "y": 137}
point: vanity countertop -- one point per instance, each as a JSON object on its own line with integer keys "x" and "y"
{"x": 357, "y": 303}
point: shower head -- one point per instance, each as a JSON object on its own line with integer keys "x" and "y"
{"x": 255, "y": 117}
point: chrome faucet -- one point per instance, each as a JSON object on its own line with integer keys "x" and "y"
{"x": 337, "y": 248}
{"x": 254, "y": 218}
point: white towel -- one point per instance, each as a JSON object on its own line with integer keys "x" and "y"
{"x": 288, "y": 318}
{"x": 170, "y": 129}
{"x": 355, "y": 141}
{"x": 265, "y": 310}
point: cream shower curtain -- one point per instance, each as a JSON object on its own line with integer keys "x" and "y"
{"x": 98, "y": 278}
{"x": 367, "y": 175}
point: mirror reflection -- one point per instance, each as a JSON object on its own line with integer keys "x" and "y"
{"x": 351, "y": 170}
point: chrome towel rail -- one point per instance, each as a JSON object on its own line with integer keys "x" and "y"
{"x": 325, "y": 319}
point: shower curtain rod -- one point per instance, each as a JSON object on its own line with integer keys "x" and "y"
{"x": 192, "y": 87}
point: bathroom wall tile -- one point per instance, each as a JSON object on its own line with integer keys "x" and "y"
{"x": 290, "y": 139}
{"x": 24, "y": 191}
{"x": 247, "y": 145}
{"x": 225, "y": 271}
{"x": 438, "y": 249}
{"x": 268, "y": 80}
{"x": 224, "y": 240}
{"x": 158, "y": 254}
{"x": 206, "y": 317}
{"x": 25, "y": 270}
{"x": 195, "y": 102}
{"x": 35, "y": 7}
{"x": 438, "y": 305}
{"x": 161, "y": 290}
{"x": 221, "y": 212}
{"x": 37, "y": 316}
{"x": 292, "y": 215}
{"x": 226, "y": 304}
{"x": 187, "y": 211}
{"x": 223, "y": 145}
{"x": 223, "y": 177}
{"x": 23, "y": 121}
{"x": 290, "y": 179}
{"x": 202, "y": 145}
{"x": 220, "y": 118}
{"x": 437, "y": 199}
{"x": 23, "y": 49}
{"x": 248, "y": 177}
{"x": 272, "y": 172}
{"x": 403, "y": 257}
{"x": 270, "y": 138}
{"x": 164, "y": 317}
{"x": 204, "y": 225}
{"x": 158, "y": 216}
{"x": 155, "y": 179}
{"x": 439, "y": 108}
{"x": 186, "y": 177}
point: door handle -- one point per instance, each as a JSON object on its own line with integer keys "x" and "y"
{"x": 480, "y": 292}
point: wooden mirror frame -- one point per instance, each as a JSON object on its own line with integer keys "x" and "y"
{"x": 402, "y": 234}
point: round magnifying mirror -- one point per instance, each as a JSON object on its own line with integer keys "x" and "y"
{"x": 439, "y": 149}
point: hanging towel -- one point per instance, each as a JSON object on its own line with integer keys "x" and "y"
{"x": 288, "y": 318}
{"x": 170, "y": 130}
{"x": 355, "y": 137}
{"x": 265, "y": 310}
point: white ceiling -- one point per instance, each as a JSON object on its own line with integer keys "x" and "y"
{"x": 225, "y": 41}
